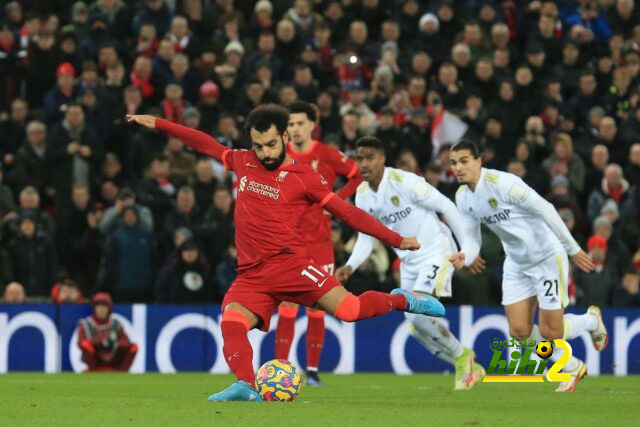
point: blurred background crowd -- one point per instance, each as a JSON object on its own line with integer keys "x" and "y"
{"x": 88, "y": 203}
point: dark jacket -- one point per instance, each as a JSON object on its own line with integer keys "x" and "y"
{"x": 182, "y": 283}
{"x": 61, "y": 162}
{"x": 128, "y": 261}
{"x": 34, "y": 263}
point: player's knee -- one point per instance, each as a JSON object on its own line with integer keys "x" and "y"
{"x": 552, "y": 332}
{"x": 349, "y": 308}
{"x": 520, "y": 332}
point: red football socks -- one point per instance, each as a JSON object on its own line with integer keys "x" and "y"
{"x": 284, "y": 330}
{"x": 369, "y": 304}
{"x": 315, "y": 338}
{"x": 237, "y": 349}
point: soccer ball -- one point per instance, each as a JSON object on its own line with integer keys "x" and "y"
{"x": 279, "y": 380}
{"x": 544, "y": 349}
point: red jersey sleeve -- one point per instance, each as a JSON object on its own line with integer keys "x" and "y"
{"x": 344, "y": 166}
{"x": 352, "y": 216}
{"x": 199, "y": 141}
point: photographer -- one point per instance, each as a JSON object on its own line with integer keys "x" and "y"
{"x": 104, "y": 344}
{"x": 112, "y": 218}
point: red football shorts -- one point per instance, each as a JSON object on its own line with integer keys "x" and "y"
{"x": 285, "y": 277}
{"x": 322, "y": 254}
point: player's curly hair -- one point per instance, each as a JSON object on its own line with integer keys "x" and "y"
{"x": 303, "y": 107}
{"x": 263, "y": 117}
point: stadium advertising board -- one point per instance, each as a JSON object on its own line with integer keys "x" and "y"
{"x": 188, "y": 338}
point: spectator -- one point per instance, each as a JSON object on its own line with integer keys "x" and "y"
{"x": 564, "y": 162}
{"x": 157, "y": 192}
{"x": 597, "y": 286}
{"x": 627, "y": 294}
{"x": 73, "y": 224}
{"x": 112, "y": 218}
{"x": 127, "y": 267}
{"x": 102, "y": 339}
{"x": 156, "y": 12}
{"x": 187, "y": 279}
{"x": 205, "y": 183}
{"x": 218, "y": 224}
{"x": 608, "y": 131}
{"x": 182, "y": 163}
{"x": 74, "y": 154}
{"x": 561, "y": 197}
{"x": 12, "y": 132}
{"x": 613, "y": 186}
{"x": 595, "y": 173}
{"x": 14, "y": 294}
{"x": 29, "y": 204}
{"x": 30, "y": 166}
{"x": 33, "y": 257}
{"x": 632, "y": 171}
{"x": 67, "y": 292}
{"x": 64, "y": 93}
{"x": 226, "y": 270}
{"x": 185, "y": 213}
{"x": 7, "y": 205}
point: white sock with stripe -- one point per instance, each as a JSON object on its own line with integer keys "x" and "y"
{"x": 434, "y": 335}
{"x": 575, "y": 325}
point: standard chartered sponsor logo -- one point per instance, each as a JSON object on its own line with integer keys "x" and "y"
{"x": 256, "y": 187}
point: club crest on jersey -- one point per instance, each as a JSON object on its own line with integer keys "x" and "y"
{"x": 395, "y": 200}
{"x": 493, "y": 203}
{"x": 281, "y": 176}
{"x": 314, "y": 165}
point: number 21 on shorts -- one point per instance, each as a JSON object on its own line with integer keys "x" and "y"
{"x": 317, "y": 276}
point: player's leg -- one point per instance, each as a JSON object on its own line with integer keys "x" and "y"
{"x": 553, "y": 296}
{"x": 433, "y": 276}
{"x": 592, "y": 322}
{"x": 287, "y": 313}
{"x": 244, "y": 308}
{"x": 315, "y": 328}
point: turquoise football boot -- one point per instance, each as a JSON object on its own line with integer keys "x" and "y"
{"x": 239, "y": 391}
{"x": 421, "y": 303}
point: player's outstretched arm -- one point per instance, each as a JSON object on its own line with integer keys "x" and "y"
{"x": 199, "y": 141}
{"x": 363, "y": 222}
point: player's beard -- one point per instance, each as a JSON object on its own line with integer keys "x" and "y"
{"x": 276, "y": 162}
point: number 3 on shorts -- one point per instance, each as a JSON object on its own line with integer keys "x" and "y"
{"x": 317, "y": 276}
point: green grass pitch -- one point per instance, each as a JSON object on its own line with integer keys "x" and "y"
{"x": 362, "y": 399}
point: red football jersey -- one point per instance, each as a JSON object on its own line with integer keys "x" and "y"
{"x": 329, "y": 163}
{"x": 271, "y": 204}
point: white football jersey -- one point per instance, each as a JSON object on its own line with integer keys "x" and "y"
{"x": 407, "y": 204}
{"x": 518, "y": 215}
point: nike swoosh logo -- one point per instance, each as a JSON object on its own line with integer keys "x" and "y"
{"x": 322, "y": 283}
{"x": 250, "y": 165}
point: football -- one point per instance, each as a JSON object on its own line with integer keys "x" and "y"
{"x": 279, "y": 380}
{"x": 544, "y": 349}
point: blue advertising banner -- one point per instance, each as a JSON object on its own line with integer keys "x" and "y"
{"x": 188, "y": 338}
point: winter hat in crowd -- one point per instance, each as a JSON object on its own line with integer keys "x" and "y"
{"x": 65, "y": 68}
{"x": 191, "y": 112}
{"x": 209, "y": 88}
{"x": 263, "y": 5}
{"x": 596, "y": 241}
{"x": 428, "y": 17}
{"x": 234, "y": 46}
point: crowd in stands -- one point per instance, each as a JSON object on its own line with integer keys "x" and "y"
{"x": 89, "y": 203}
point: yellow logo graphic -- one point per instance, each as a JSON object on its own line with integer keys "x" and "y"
{"x": 493, "y": 203}
{"x": 395, "y": 200}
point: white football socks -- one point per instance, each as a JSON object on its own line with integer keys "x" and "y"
{"x": 434, "y": 335}
{"x": 575, "y": 325}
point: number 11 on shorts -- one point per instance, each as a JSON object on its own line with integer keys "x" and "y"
{"x": 314, "y": 274}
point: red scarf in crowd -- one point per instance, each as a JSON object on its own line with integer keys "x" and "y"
{"x": 143, "y": 83}
{"x": 173, "y": 112}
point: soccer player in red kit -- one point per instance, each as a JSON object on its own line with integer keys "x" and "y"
{"x": 315, "y": 228}
{"x": 274, "y": 194}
